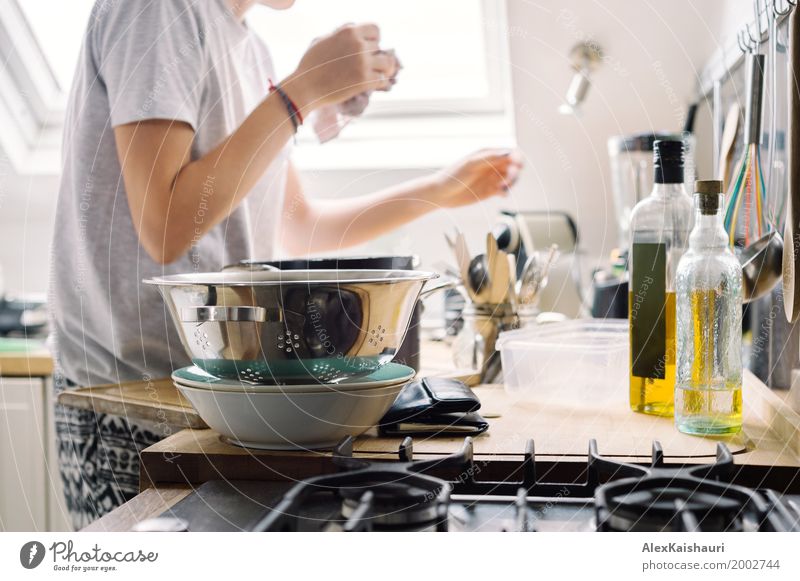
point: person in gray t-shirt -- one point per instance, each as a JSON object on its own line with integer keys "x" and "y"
{"x": 177, "y": 159}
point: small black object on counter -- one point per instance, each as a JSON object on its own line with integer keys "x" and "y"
{"x": 434, "y": 406}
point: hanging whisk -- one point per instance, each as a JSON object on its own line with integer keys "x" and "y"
{"x": 747, "y": 194}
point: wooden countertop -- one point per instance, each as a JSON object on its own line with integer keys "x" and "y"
{"x": 769, "y": 445}
{"x": 25, "y": 358}
{"x": 150, "y": 503}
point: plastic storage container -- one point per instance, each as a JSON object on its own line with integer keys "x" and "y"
{"x": 581, "y": 362}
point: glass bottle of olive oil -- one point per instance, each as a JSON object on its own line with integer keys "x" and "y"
{"x": 660, "y": 226}
{"x": 708, "y": 390}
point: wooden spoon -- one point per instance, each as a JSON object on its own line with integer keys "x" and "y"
{"x": 512, "y": 280}
{"x": 500, "y": 279}
{"x": 729, "y": 131}
{"x": 791, "y": 230}
{"x": 492, "y": 252}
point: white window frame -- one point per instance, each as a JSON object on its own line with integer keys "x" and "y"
{"x": 424, "y": 132}
{"x": 32, "y": 103}
{"x": 494, "y": 18}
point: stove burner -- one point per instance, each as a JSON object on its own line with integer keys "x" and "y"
{"x": 408, "y": 495}
{"x": 660, "y": 509}
{"x": 394, "y": 504}
{"x": 375, "y": 495}
{"x": 659, "y": 498}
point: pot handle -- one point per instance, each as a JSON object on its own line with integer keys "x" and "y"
{"x": 442, "y": 283}
{"x": 218, "y": 314}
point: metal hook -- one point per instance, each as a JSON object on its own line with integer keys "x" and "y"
{"x": 740, "y": 40}
{"x": 779, "y": 13}
{"x": 759, "y": 36}
{"x": 753, "y": 42}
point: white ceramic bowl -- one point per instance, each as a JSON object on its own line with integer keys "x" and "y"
{"x": 290, "y": 420}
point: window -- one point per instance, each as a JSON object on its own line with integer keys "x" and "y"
{"x": 39, "y": 45}
{"x": 452, "y": 87}
{"x": 451, "y": 50}
{"x": 58, "y": 27}
{"x": 452, "y": 93}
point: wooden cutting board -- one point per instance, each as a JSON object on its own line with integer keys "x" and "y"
{"x": 565, "y": 430}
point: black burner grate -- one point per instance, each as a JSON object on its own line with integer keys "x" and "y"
{"x": 405, "y": 494}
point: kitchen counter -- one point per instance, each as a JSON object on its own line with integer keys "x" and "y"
{"x": 768, "y": 447}
{"x": 24, "y": 358}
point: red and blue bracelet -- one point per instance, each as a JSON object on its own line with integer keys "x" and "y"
{"x": 294, "y": 113}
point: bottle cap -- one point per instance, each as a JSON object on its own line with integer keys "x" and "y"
{"x": 668, "y": 161}
{"x": 708, "y": 186}
{"x": 708, "y": 193}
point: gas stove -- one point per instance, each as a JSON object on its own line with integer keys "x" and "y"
{"x": 448, "y": 494}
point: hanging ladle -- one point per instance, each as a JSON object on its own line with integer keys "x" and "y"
{"x": 762, "y": 266}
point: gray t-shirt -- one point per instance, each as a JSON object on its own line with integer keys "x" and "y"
{"x": 185, "y": 60}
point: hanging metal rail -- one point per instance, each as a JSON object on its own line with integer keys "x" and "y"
{"x": 731, "y": 54}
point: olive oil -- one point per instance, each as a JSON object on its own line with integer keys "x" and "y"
{"x": 655, "y": 394}
{"x": 707, "y": 404}
{"x": 709, "y": 411}
{"x": 708, "y": 383}
{"x": 660, "y": 225}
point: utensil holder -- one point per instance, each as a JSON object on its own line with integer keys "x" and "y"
{"x": 474, "y": 347}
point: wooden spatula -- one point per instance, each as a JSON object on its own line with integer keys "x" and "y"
{"x": 791, "y": 230}
{"x": 729, "y": 131}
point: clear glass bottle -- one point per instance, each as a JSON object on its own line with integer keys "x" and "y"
{"x": 660, "y": 226}
{"x": 708, "y": 389}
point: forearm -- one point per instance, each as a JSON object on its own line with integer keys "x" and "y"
{"x": 208, "y": 189}
{"x": 334, "y": 224}
{"x": 174, "y": 200}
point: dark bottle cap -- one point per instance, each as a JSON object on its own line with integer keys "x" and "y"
{"x": 708, "y": 192}
{"x": 668, "y": 161}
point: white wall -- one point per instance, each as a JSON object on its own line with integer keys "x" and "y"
{"x": 27, "y": 211}
{"x": 654, "y": 50}
{"x": 652, "y": 53}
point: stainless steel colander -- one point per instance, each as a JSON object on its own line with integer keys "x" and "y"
{"x": 292, "y": 326}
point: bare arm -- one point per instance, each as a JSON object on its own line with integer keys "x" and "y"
{"x": 174, "y": 201}
{"x": 168, "y": 192}
{"x": 334, "y": 224}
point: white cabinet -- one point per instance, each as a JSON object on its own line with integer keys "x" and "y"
{"x": 30, "y": 485}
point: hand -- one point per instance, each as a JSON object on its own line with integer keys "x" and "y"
{"x": 485, "y": 173}
{"x": 341, "y": 65}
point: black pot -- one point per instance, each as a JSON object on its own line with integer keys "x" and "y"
{"x": 408, "y": 353}
{"x": 345, "y": 263}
